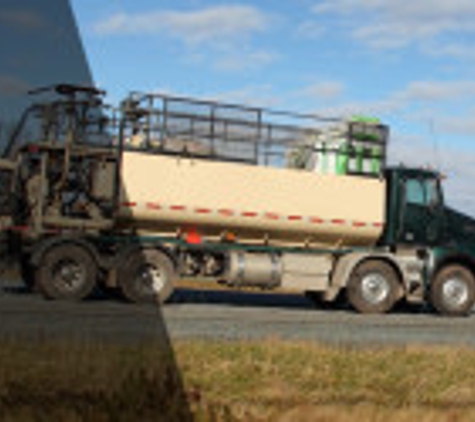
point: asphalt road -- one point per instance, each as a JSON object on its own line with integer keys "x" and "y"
{"x": 222, "y": 315}
{"x": 229, "y": 315}
{"x": 26, "y": 315}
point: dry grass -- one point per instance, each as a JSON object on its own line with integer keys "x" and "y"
{"x": 283, "y": 381}
{"x": 228, "y": 381}
{"x": 85, "y": 382}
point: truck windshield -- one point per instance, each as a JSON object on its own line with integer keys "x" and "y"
{"x": 423, "y": 192}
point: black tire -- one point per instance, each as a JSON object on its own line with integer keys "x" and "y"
{"x": 66, "y": 272}
{"x": 147, "y": 276}
{"x": 373, "y": 288}
{"x": 452, "y": 292}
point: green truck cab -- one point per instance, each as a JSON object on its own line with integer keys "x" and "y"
{"x": 417, "y": 217}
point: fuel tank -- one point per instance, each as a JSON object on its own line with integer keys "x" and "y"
{"x": 170, "y": 194}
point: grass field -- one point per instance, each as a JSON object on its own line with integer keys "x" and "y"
{"x": 270, "y": 380}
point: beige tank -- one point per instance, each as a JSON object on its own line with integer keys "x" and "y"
{"x": 209, "y": 199}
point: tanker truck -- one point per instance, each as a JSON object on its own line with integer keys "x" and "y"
{"x": 163, "y": 188}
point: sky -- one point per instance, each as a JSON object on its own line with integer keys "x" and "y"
{"x": 412, "y": 64}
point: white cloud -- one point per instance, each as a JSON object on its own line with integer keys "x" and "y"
{"x": 220, "y": 35}
{"x": 413, "y": 95}
{"x": 459, "y": 125}
{"x": 325, "y": 90}
{"x": 347, "y": 6}
{"x": 252, "y": 95}
{"x": 240, "y": 60}
{"x": 212, "y": 24}
{"x": 434, "y": 91}
{"x": 453, "y": 50}
{"x": 397, "y": 23}
{"x": 311, "y": 29}
{"x": 378, "y": 108}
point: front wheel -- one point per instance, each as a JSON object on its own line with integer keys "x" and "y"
{"x": 453, "y": 291}
{"x": 373, "y": 288}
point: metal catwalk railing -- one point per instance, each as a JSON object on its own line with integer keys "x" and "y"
{"x": 179, "y": 125}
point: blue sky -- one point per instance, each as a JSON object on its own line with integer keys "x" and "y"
{"x": 410, "y": 63}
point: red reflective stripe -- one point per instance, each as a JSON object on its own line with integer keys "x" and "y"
{"x": 153, "y": 206}
{"x": 338, "y": 221}
{"x": 294, "y": 217}
{"x": 229, "y": 212}
{"x": 177, "y": 207}
{"x": 226, "y": 212}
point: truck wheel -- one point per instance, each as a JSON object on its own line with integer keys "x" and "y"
{"x": 453, "y": 291}
{"x": 147, "y": 275}
{"x": 373, "y": 288}
{"x": 67, "y": 272}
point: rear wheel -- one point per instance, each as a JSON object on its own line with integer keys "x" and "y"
{"x": 66, "y": 272}
{"x": 373, "y": 287}
{"x": 453, "y": 291}
{"x": 147, "y": 275}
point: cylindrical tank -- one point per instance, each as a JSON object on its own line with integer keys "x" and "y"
{"x": 254, "y": 269}
{"x": 175, "y": 194}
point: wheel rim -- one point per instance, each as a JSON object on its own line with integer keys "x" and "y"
{"x": 69, "y": 274}
{"x": 455, "y": 292}
{"x": 374, "y": 288}
{"x": 151, "y": 280}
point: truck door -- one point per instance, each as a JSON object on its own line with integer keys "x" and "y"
{"x": 421, "y": 216}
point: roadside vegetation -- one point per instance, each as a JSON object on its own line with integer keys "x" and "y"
{"x": 269, "y": 380}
